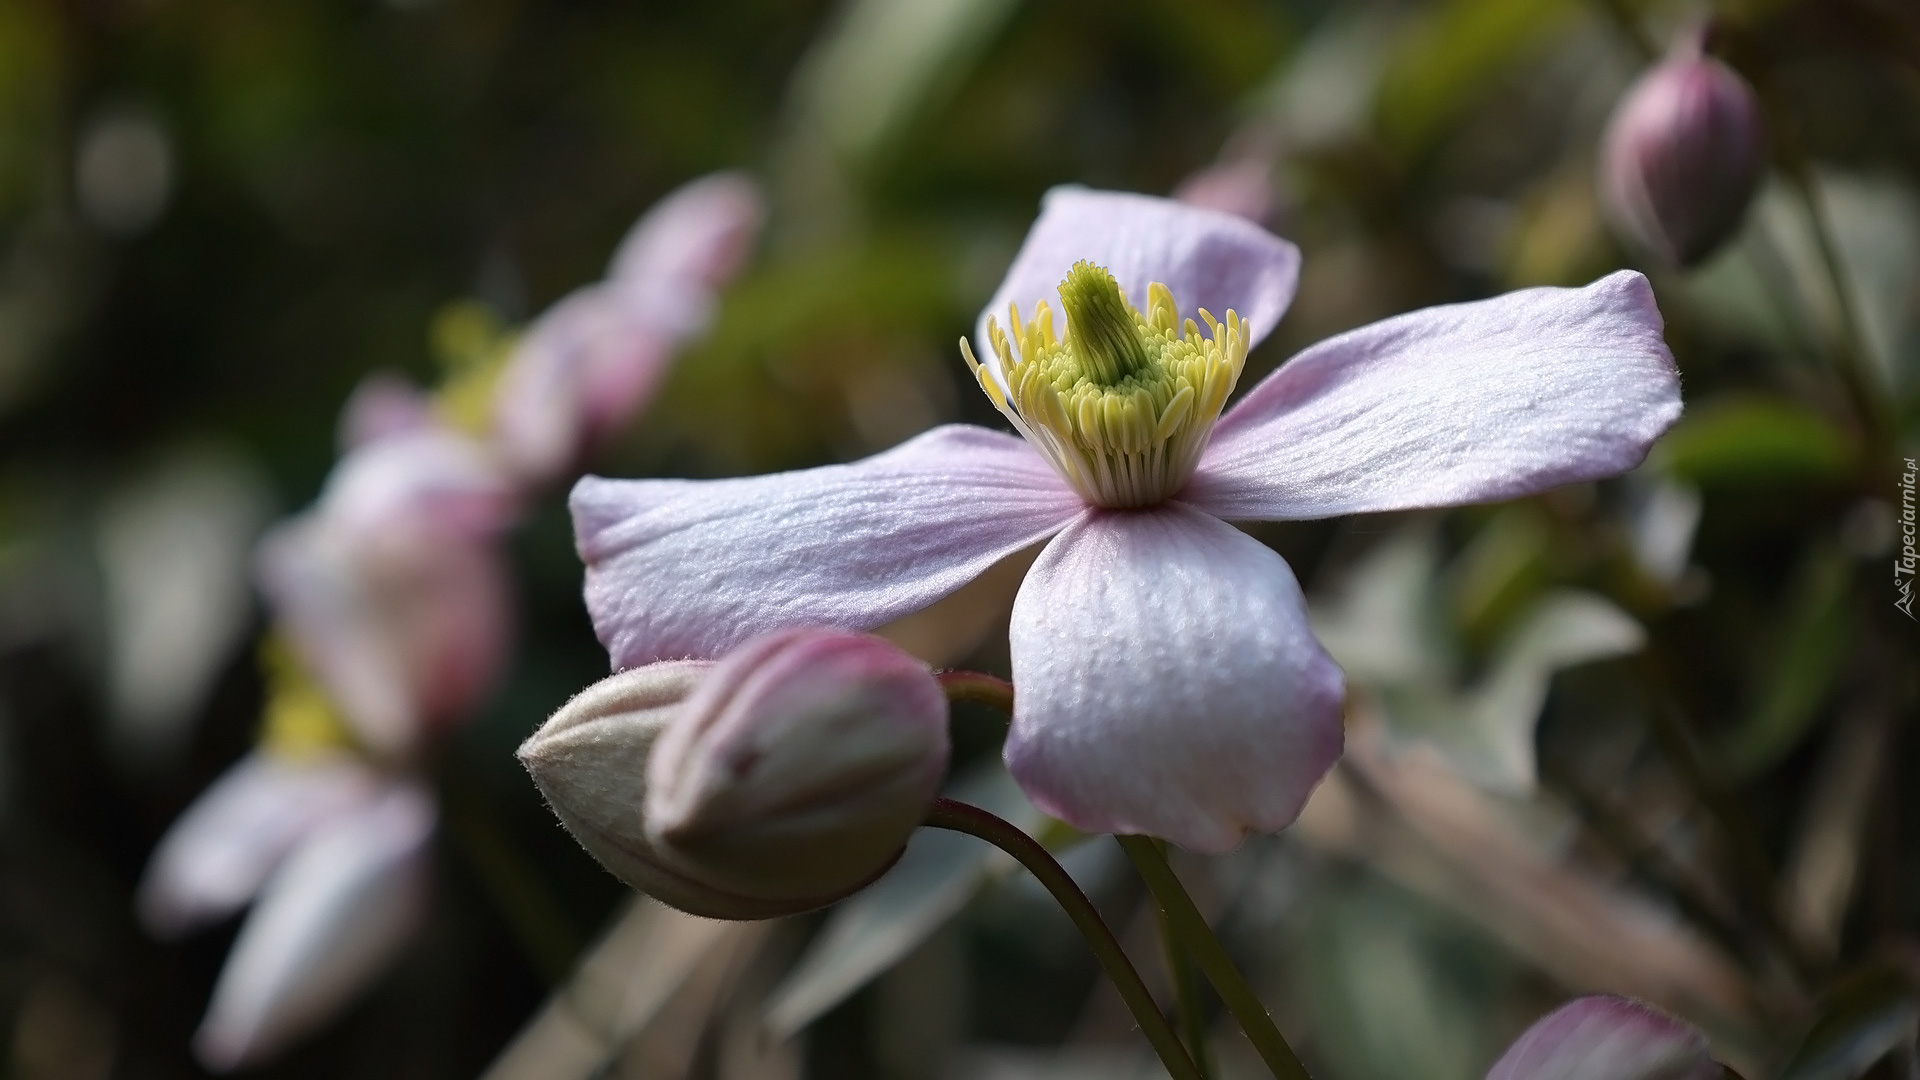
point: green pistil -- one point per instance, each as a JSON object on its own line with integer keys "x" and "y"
{"x": 1103, "y": 333}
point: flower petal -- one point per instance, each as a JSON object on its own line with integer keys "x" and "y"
{"x": 688, "y": 569}
{"x": 1168, "y": 683}
{"x": 328, "y": 922}
{"x": 682, "y": 251}
{"x": 1208, "y": 259}
{"x": 1607, "y": 1038}
{"x": 1457, "y": 404}
{"x": 430, "y": 478}
{"x": 214, "y": 859}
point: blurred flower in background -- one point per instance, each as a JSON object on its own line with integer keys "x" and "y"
{"x": 391, "y": 603}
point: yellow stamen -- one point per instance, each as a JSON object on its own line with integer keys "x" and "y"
{"x": 1124, "y": 404}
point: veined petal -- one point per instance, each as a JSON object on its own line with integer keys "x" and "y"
{"x": 1607, "y": 1038}
{"x": 1208, "y": 259}
{"x": 1463, "y": 403}
{"x": 1169, "y": 684}
{"x": 687, "y": 569}
{"x": 215, "y": 858}
{"x": 326, "y": 924}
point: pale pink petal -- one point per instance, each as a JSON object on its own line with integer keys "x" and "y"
{"x": 432, "y": 478}
{"x": 1207, "y": 258}
{"x": 582, "y": 369}
{"x": 214, "y": 859}
{"x": 1464, "y": 403}
{"x": 690, "y": 244}
{"x": 405, "y": 631}
{"x": 327, "y": 923}
{"x": 1168, "y": 682}
{"x": 381, "y": 406}
{"x": 1608, "y": 1038}
{"x": 682, "y": 569}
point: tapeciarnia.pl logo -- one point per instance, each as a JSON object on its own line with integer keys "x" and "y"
{"x": 1903, "y": 567}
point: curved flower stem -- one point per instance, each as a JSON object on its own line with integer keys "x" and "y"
{"x": 979, "y": 687}
{"x": 1193, "y": 1026}
{"x": 963, "y": 817}
{"x": 1206, "y": 951}
{"x": 1851, "y": 359}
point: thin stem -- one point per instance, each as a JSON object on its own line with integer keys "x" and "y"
{"x": 1852, "y": 358}
{"x": 1206, "y": 951}
{"x": 962, "y": 817}
{"x": 1186, "y": 995}
{"x": 978, "y": 687}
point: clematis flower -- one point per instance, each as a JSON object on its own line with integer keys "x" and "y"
{"x": 392, "y": 589}
{"x": 593, "y": 358}
{"x": 1168, "y": 681}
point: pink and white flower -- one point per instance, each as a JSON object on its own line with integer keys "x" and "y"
{"x": 592, "y": 359}
{"x": 1168, "y": 681}
{"x": 392, "y": 589}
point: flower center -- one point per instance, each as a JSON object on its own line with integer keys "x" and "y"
{"x": 1124, "y": 404}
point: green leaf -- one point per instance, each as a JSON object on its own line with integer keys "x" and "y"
{"x": 1796, "y": 674}
{"x": 1755, "y": 440}
{"x": 1456, "y": 56}
{"x": 1866, "y": 1015}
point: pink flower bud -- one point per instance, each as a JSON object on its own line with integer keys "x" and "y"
{"x": 781, "y": 779}
{"x": 1608, "y": 1038}
{"x": 1682, "y": 155}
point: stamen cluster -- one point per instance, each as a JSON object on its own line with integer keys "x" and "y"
{"x": 1124, "y": 403}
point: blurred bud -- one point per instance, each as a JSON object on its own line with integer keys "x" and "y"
{"x": 1608, "y": 1038}
{"x": 1682, "y": 156}
{"x": 779, "y": 780}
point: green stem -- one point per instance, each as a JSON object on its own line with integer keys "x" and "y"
{"x": 977, "y": 687}
{"x": 1206, "y": 951}
{"x": 1186, "y": 995}
{"x": 962, "y": 817}
{"x": 1852, "y": 358}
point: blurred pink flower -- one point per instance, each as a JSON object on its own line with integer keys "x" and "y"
{"x": 1168, "y": 681}
{"x": 331, "y": 853}
{"x": 587, "y": 364}
{"x": 1608, "y": 1038}
{"x": 391, "y": 589}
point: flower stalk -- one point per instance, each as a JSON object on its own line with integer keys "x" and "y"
{"x": 1199, "y": 941}
{"x": 977, "y": 687}
{"x": 962, "y": 817}
{"x": 1186, "y": 994}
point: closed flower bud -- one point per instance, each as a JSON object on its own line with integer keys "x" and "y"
{"x": 1682, "y": 155}
{"x": 779, "y": 780}
{"x": 590, "y": 761}
{"x": 799, "y": 767}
